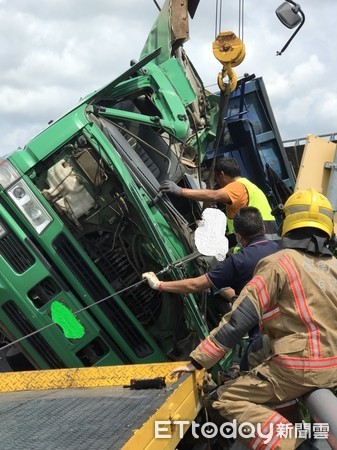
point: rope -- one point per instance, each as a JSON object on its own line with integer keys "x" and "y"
{"x": 156, "y": 3}
{"x": 164, "y": 270}
{"x": 241, "y": 19}
{"x": 224, "y": 99}
{"x": 218, "y": 14}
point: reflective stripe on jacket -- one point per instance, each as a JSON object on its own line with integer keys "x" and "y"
{"x": 295, "y": 296}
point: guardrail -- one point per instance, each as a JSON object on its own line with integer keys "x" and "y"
{"x": 301, "y": 140}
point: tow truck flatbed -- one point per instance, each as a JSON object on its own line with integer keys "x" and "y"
{"x": 71, "y": 409}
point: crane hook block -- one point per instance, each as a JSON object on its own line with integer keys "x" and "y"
{"x": 229, "y": 49}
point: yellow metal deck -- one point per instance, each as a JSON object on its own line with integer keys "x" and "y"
{"x": 88, "y": 408}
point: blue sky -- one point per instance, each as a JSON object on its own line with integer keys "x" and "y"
{"x": 55, "y": 52}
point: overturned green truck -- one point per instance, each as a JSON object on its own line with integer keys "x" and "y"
{"x": 81, "y": 217}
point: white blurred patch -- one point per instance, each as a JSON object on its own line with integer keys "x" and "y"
{"x": 210, "y": 238}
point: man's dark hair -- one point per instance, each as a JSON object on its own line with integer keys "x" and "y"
{"x": 248, "y": 222}
{"x": 228, "y": 166}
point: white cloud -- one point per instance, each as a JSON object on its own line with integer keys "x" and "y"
{"x": 55, "y": 52}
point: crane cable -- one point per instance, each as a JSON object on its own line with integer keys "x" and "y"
{"x": 228, "y": 49}
{"x": 218, "y": 15}
{"x": 241, "y": 18}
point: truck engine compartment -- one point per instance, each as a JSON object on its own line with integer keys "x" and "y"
{"x": 90, "y": 200}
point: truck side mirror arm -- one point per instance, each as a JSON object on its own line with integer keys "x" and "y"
{"x": 290, "y": 16}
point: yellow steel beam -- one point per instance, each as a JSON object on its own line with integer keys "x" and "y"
{"x": 81, "y": 378}
{"x": 182, "y": 405}
{"x": 312, "y": 172}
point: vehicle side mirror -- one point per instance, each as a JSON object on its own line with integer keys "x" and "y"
{"x": 291, "y": 16}
{"x": 288, "y": 15}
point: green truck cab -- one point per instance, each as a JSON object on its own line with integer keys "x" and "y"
{"x": 81, "y": 218}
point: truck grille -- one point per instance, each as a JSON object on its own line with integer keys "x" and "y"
{"x": 12, "y": 250}
{"x": 114, "y": 263}
{"x": 97, "y": 291}
{"x": 37, "y": 341}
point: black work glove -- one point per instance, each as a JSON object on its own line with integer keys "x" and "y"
{"x": 169, "y": 187}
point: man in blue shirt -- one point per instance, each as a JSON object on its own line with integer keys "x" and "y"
{"x": 232, "y": 274}
{"x": 236, "y": 270}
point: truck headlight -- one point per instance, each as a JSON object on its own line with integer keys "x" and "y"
{"x": 30, "y": 206}
{"x": 8, "y": 173}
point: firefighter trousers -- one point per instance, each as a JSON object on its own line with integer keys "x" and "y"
{"x": 252, "y": 400}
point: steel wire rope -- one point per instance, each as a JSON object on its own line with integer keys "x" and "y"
{"x": 75, "y": 313}
{"x": 218, "y": 14}
{"x": 157, "y": 5}
{"x": 241, "y": 19}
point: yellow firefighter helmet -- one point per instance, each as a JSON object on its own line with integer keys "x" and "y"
{"x": 308, "y": 208}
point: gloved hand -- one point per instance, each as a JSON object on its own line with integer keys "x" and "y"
{"x": 170, "y": 187}
{"x": 152, "y": 279}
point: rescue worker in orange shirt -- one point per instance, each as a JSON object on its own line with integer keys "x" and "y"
{"x": 293, "y": 295}
{"x": 234, "y": 190}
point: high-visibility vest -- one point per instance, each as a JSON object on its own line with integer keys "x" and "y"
{"x": 257, "y": 199}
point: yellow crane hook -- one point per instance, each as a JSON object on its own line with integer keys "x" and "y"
{"x": 230, "y": 51}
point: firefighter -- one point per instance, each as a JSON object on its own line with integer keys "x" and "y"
{"x": 234, "y": 190}
{"x": 231, "y": 275}
{"x": 293, "y": 295}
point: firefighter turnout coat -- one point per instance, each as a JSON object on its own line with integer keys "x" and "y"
{"x": 293, "y": 295}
